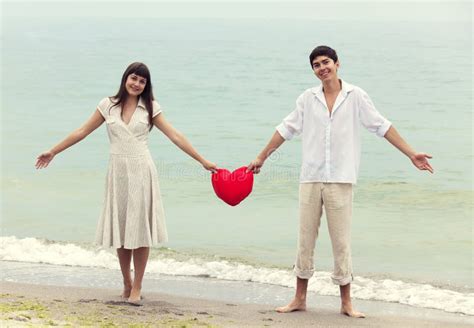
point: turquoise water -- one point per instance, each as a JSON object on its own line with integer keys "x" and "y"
{"x": 226, "y": 83}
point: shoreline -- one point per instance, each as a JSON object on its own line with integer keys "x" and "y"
{"x": 27, "y": 304}
{"x": 233, "y": 282}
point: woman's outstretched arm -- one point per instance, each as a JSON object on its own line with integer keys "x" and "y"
{"x": 180, "y": 140}
{"x": 74, "y": 137}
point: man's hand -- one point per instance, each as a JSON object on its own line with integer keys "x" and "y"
{"x": 420, "y": 160}
{"x": 255, "y": 165}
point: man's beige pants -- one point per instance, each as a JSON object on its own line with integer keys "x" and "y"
{"x": 337, "y": 201}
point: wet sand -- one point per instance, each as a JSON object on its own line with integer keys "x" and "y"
{"x": 40, "y": 305}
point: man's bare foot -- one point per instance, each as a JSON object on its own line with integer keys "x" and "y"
{"x": 350, "y": 312}
{"x": 295, "y": 305}
{"x": 134, "y": 296}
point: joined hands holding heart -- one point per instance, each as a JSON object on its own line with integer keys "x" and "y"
{"x": 233, "y": 187}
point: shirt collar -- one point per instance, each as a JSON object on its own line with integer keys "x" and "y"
{"x": 345, "y": 89}
{"x": 141, "y": 103}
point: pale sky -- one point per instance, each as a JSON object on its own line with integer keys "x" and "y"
{"x": 384, "y": 10}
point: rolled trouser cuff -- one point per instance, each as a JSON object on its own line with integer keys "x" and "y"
{"x": 342, "y": 281}
{"x": 303, "y": 274}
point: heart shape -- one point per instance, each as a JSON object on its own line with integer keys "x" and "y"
{"x": 233, "y": 187}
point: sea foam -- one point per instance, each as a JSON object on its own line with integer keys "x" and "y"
{"x": 420, "y": 295}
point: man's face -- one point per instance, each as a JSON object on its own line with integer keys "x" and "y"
{"x": 325, "y": 68}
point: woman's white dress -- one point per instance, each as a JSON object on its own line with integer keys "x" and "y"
{"x": 133, "y": 214}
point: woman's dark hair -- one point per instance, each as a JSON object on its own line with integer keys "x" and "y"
{"x": 322, "y": 51}
{"x": 139, "y": 69}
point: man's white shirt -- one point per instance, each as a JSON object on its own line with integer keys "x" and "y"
{"x": 331, "y": 142}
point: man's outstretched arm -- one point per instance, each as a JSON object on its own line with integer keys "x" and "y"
{"x": 275, "y": 142}
{"x": 420, "y": 160}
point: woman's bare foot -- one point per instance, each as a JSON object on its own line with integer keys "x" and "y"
{"x": 127, "y": 288}
{"x": 135, "y": 296}
{"x": 295, "y": 305}
{"x": 350, "y": 312}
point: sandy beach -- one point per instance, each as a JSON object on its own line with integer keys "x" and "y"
{"x": 43, "y": 305}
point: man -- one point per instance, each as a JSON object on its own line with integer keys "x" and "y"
{"x": 329, "y": 118}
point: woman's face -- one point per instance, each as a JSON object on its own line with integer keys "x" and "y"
{"x": 135, "y": 84}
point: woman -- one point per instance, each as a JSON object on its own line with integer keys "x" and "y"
{"x": 132, "y": 219}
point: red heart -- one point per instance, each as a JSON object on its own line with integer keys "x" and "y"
{"x": 233, "y": 187}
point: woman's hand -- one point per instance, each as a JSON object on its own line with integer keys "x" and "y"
{"x": 44, "y": 159}
{"x": 209, "y": 166}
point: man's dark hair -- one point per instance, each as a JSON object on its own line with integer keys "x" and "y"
{"x": 322, "y": 51}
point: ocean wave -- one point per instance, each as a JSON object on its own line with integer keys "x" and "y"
{"x": 420, "y": 295}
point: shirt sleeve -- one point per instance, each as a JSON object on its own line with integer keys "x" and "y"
{"x": 103, "y": 107}
{"x": 156, "y": 108}
{"x": 370, "y": 118}
{"x": 292, "y": 125}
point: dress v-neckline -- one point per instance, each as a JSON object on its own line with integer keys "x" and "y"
{"x": 131, "y": 117}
